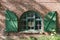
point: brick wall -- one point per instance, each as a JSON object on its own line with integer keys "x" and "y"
{"x": 20, "y": 6}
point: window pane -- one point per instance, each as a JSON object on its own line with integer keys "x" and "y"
{"x": 32, "y": 20}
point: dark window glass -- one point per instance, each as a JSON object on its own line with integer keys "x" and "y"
{"x": 30, "y": 20}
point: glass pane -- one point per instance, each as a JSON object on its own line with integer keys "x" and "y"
{"x": 38, "y": 25}
{"x": 30, "y": 21}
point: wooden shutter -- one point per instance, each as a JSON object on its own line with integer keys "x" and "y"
{"x": 11, "y": 21}
{"x": 50, "y": 22}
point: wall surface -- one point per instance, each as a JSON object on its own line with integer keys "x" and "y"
{"x": 20, "y": 6}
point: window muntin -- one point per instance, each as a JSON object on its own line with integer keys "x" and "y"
{"x": 30, "y": 21}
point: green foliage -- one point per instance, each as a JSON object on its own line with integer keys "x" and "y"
{"x": 46, "y": 37}
{"x": 40, "y": 37}
{"x": 33, "y": 38}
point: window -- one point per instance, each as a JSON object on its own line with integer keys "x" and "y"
{"x": 30, "y": 21}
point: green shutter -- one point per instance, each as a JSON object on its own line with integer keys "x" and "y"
{"x": 11, "y": 21}
{"x": 50, "y": 22}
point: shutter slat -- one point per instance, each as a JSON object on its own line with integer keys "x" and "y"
{"x": 50, "y": 22}
{"x": 11, "y": 21}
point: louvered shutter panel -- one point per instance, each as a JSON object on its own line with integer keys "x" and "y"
{"x": 50, "y": 22}
{"x": 11, "y": 21}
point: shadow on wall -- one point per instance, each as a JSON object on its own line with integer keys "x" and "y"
{"x": 57, "y": 24}
{"x": 58, "y": 0}
{"x": 58, "y": 17}
{"x": 40, "y": 6}
{"x": 29, "y": 6}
